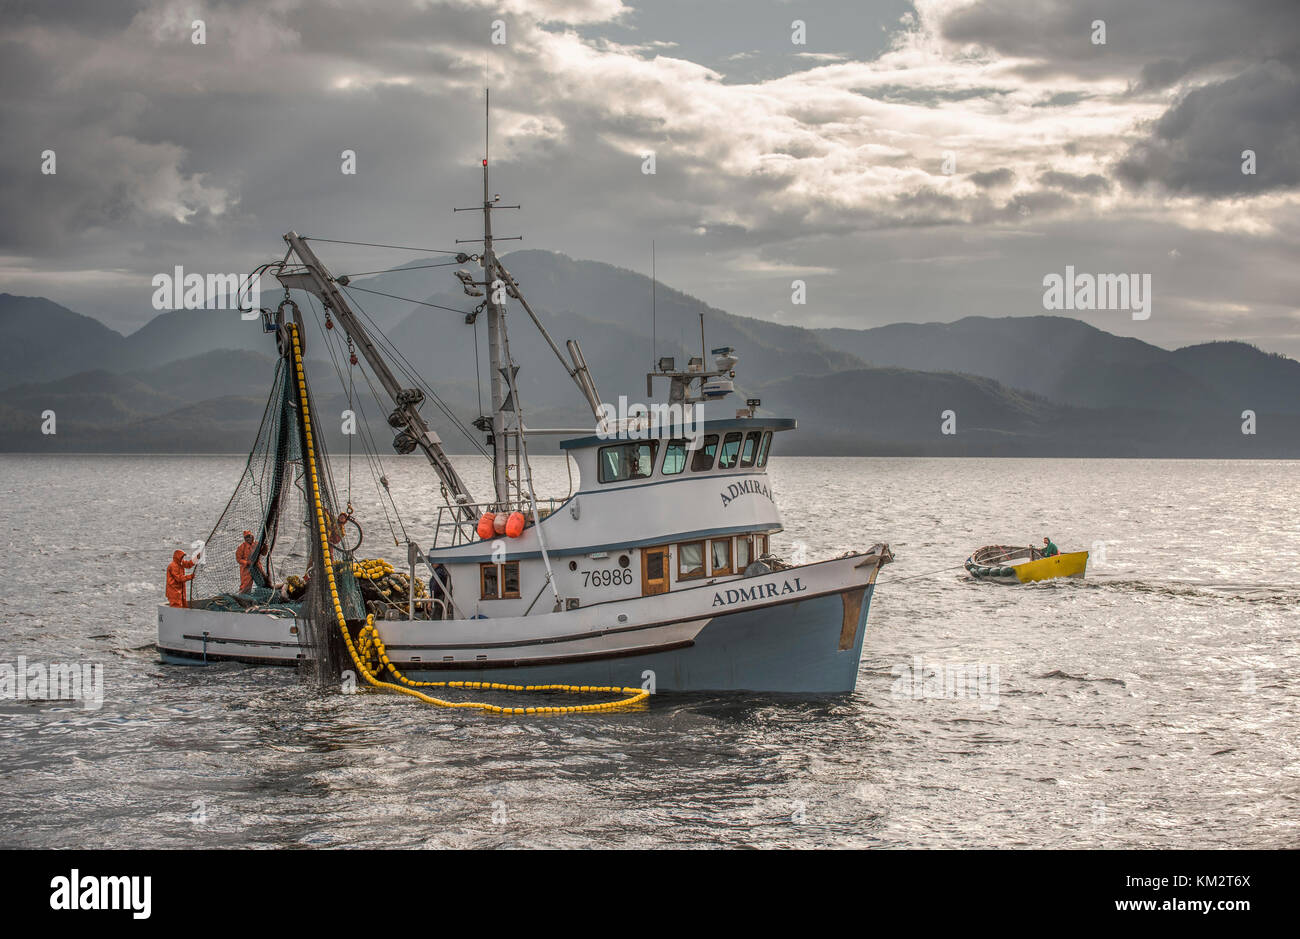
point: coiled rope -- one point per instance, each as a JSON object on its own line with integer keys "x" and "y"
{"x": 368, "y": 653}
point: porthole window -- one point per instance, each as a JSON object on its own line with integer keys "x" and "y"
{"x": 624, "y": 560}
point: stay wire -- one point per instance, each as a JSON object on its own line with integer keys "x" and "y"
{"x": 369, "y": 448}
{"x": 413, "y": 375}
{"x": 371, "y": 244}
{"x": 393, "y": 296}
{"x": 395, "y": 270}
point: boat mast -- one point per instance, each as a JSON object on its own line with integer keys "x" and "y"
{"x": 496, "y": 312}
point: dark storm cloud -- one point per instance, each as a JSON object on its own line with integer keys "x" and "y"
{"x": 1170, "y": 38}
{"x": 1091, "y": 184}
{"x": 993, "y": 179}
{"x": 1197, "y": 146}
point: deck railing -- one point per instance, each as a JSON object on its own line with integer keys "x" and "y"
{"x": 454, "y": 529}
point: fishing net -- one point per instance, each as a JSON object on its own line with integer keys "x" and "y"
{"x": 282, "y": 554}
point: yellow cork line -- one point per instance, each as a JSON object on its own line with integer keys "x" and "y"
{"x": 371, "y": 659}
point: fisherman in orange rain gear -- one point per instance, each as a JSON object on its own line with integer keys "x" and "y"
{"x": 336, "y": 528}
{"x": 244, "y": 557}
{"x": 177, "y": 579}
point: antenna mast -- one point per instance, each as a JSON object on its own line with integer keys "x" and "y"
{"x": 496, "y": 311}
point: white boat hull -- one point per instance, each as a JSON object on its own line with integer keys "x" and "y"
{"x": 797, "y": 630}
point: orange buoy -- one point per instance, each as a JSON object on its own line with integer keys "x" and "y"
{"x": 515, "y": 525}
{"x": 486, "y": 526}
{"x": 499, "y": 523}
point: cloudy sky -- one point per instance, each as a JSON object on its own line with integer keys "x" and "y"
{"x": 910, "y": 161}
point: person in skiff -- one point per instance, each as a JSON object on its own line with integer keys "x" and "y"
{"x": 244, "y": 557}
{"x": 177, "y": 578}
{"x": 1050, "y": 550}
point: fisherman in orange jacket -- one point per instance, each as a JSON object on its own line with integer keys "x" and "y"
{"x": 177, "y": 579}
{"x": 244, "y": 556}
{"x": 336, "y": 528}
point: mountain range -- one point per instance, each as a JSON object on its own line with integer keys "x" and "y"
{"x": 197, "y": 380}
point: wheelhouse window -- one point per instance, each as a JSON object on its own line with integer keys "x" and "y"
{"x": 763, "y": 448}
{"x": 690, "y": 560}
{"x": 499, "y": 581}
{"x": 760, "y": 545}
{"x": 750, "y": 450}
{"x": 626, "y": 461}
{"x": 702, "y": 461}
{"x": 730, "y": 450}
{"x": 674, "y": 457}
{"x": 721, "y": 549}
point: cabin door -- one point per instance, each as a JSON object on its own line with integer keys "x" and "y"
{"x": 654, "y": 571}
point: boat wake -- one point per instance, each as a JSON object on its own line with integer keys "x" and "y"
{"x": 1272, "y": 594}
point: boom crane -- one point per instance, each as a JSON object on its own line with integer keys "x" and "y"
{"x": 406, "y": 417}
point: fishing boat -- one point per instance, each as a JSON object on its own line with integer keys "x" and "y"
{"x": 658, "y": 571}
{"x": 1011, "y": 564}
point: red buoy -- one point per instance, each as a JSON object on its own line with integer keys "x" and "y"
{"x": 486, "y": 526}
{"x": 515, "y": 525}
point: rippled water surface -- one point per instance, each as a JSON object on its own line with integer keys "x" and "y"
{"x": 1152, "y": 705}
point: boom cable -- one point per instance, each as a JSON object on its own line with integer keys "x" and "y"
{"x": 396, "y": 270}
{"x": 436, "y": 306}
{"x": 370, "y": 244}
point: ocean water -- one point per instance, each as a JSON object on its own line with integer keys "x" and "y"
{"x": 1153, "y": 704}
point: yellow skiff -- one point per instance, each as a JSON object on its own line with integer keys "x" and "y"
{"x": 1005, "y": 564}
{"x": 1060, "y": 565}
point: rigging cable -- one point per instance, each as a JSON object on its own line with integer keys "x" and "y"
{"x": 369, "y": 449}
{"x": 352, "y": 365}
{"x": 409, "y": 370}
{"x": 406, "y": 368}
{"x": 396, "y": 270}
{"x": 478, "y": 377}
{"x": 393, "y": 296}
{"x": 370, "y": 244}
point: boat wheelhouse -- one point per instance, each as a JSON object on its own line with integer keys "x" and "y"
{"x": 650, "y": 515}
